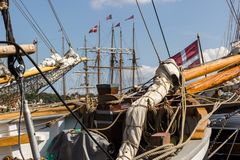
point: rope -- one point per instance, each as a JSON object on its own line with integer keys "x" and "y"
{"x": 236, "y": 135}
{"x": 59, "y": 23}
{"x": 166, "y": 149}
{"x": 173, "y": 119}
{"x": 165, "y": 154}
{"x": 149, "y": 35}
{"x": 217, "y": 105}
{"x": 184, "y": 109}
{"x": 203, "y": 119}
{"x": 153, "y": 150}
{"x": 237, "y": 32}
{"x": 27, "y": 15}
{"x": 64, "y": 103}
{"x": 223, "y": 124}
{"x": 21, "y": 88}
{"x": 14, "y": 61}
{"x": 116, "y": 101}
{"x": 233, "y": 11}
{"x": 145, "y": 103}
{"x": 208, "y": 99}
{"x": 160, "y": 26}
{"x": 101, "y": 134}
{"x": 236, "y": 131}
{"x": 108, "y": 127}
{"x": 205, "y": 99}
{"x": 52, "y": 122}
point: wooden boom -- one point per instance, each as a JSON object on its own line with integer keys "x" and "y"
{"x": 213, "y": 80}
{"x": 9, "y": 50}
{"x": 209, "y": 67}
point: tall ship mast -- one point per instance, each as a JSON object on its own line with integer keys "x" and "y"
{"x": 116, "y": 66}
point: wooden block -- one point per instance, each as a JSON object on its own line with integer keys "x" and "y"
{"x": 199, "y": 134}
{"x": 160, "y": 138}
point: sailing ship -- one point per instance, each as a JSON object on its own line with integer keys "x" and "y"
{"x": 161, "y": 119}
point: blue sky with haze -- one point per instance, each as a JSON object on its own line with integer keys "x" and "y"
{"x": 181, "y": 21}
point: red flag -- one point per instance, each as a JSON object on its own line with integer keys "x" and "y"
{"x": 129, "y": 18}
{"x": 109, "y": 17}
{"x": 93, "y": 29}
{"x": 194, "y": 63}
{"x": 189, "y": 57}
{"x": 117, "y": 25}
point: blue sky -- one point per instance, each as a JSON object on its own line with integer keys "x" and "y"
{"x": 181, "y": 21}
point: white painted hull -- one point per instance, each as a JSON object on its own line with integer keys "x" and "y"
{"x": 195, "y": 149}
{"x": 44, "y": 136}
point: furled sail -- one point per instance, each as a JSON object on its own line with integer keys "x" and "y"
{"x": 166, "y": 75}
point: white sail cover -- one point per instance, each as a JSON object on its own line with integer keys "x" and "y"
{"x": 166, "y": 74}
{"x": 70, "y": 58}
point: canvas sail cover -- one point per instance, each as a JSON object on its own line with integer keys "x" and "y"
{"x": 136, "y": 114}
{"x": 69, "y": 58}
{"x": 76, "y": 146}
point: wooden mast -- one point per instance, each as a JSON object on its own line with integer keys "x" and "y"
{"x": 120, "y": 61}
{"x": 35, "y": 42}
{"x": 98, "y": 54}
{"x": 112, "y": 58}
{"x": 133, "y": 58}
{"x": 63, "y": 78}
{"x": 201, "y": 52}
{"x": 86, "y": 67}
{"x": 200, "y": 47}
